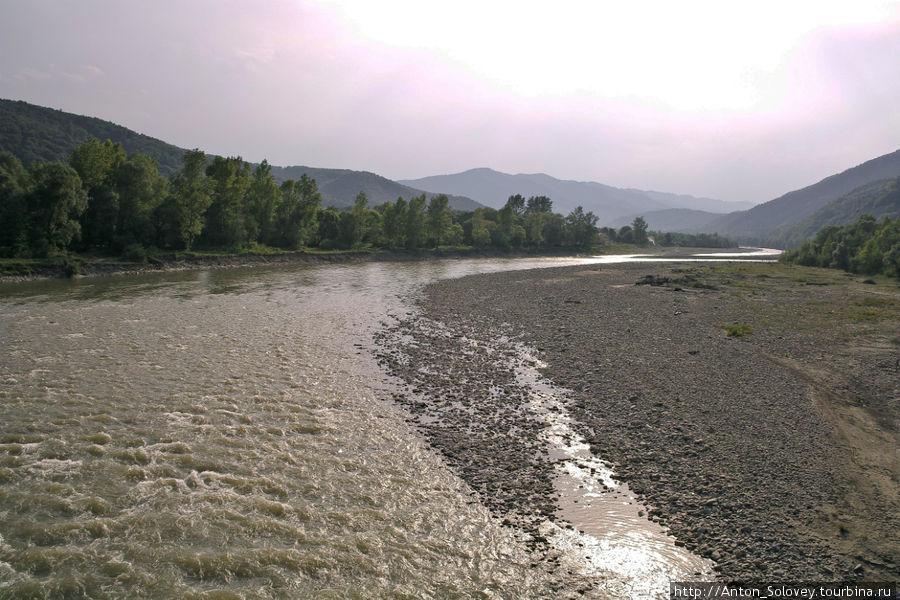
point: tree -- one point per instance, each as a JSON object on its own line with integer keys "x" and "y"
{"x": 439, "y": 220}
{"x": 516, "y": 204}
{"x": 191, "y": 197}
{"x": 539, "y": 204}
{"x": 54, "y": 203}
{"x": 394, "y": 223}
{"x": 581, "y": 228}
{"x": 96, "y": 164}
{"x": 225, "y": 218}
{"x": 639, "y": 231}
{"x": 415, "y": 222}
{"x": 261, "y": 203}
{"x": 298, "y": 213}
{"x": 481, "y": 230}
{"x": 359, "y": 222}
{"x": 141, "y": 189}
{"x": 14, "y": 186}
{"x": 329, "y": 227}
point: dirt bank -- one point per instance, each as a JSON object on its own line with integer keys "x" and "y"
{"x": 772, "y": 451}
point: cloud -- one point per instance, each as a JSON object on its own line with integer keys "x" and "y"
{"x": 615, "y": 98}
{"x": 28, "y": 73}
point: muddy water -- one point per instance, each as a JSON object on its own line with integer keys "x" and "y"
{"x": 229, "y": 434}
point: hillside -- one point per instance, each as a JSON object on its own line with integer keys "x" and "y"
{"x": 339, "y": 187}
{"x": 493, "y": 188}
{"x": 610, "y": 204}
{"x": 35, "y": 133}
{"x": 709, "y": 205}
{"x": 879, "y": 198}
{"x": 680, "y": 220}
{"x": 762, "y": 223}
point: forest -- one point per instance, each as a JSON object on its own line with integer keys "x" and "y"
{"x": 107, "y": 202}
{"x": 867, "y": 246}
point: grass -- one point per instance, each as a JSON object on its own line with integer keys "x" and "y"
{"x": 737, "y": 330}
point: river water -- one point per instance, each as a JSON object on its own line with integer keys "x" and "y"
{"x": 225, "y": 434}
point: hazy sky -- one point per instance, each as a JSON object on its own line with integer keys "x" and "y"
{"x": 731, "y": 99}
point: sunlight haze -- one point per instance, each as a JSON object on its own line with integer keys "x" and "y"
{"x": 737, "y": 101}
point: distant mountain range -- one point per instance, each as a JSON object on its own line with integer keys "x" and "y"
{"x": 339, "y": 187}
{"x": 610, "y": 204}
{"x": 35, "y": 133}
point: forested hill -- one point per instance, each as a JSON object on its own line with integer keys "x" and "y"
{"x": 879, "y": 199}
{"x": 38, "y": 134}
{"x": 765, "y": 222}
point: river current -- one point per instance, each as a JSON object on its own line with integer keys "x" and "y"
{"x": 226, "y": 434}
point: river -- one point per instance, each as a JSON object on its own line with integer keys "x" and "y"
{"x": 225, "y": 434}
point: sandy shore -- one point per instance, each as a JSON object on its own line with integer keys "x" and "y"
{"x": 773, "y": 453}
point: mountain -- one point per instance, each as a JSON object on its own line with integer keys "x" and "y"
{"x": 610, "y": 204}
{"x": 680, "y": 220}
{"x": 493, "y": 188}
{"x": 339, "y": 187}
{"x": 762, "y": 223}
{"x": 35, "y": 133}
{"x": 879, "y": 198}
{"x": 709, "y": 205}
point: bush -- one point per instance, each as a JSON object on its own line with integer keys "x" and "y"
{"x": 135, "y": 253}
{"x": 737, "y": 330}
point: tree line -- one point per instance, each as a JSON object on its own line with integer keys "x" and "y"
{"x": 638, "y": 233}
{"x": 108, "y": 202}
{"x": 866, "y": 246}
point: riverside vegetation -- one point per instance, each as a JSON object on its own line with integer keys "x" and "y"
{"x": 106, "y": 203}
{"x": 866, "y": 247}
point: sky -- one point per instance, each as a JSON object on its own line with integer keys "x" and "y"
{"x": 728, "y": 99}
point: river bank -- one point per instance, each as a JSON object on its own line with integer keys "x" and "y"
{"x": 29, "y": 269}
{"x": 754, "y": 407}
{"x": 13, "y": 270}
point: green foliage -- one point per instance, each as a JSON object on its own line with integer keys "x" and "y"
{"x": 865, "y": 247}
{"x": 879, "y": 198}
{"x": 191, "y": 196}
{"x": 297, "y": 215}
{"x": 110, "y": 201}
{"x": 393, "y": 223}
{"x": 141, "y": 190}
{"x": 581, "y": 228}
{"x": 135, "y": 253}
{"x": 35, "y": 134}
{"x": 55, "y": 201}
{"x": 261, "y": 201}
{"x": 225, "y": 226}
{"x": 537, "y": 205}
{"x": 737, "y": 330}
{"x": 481, "y": 229}
{"x": 639, "y": 231}
{"x": 438, "y": 220}
{"x": 14, "y": 184}
{"x": 415, "y": 222}
{"x": 693, "y": 240}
